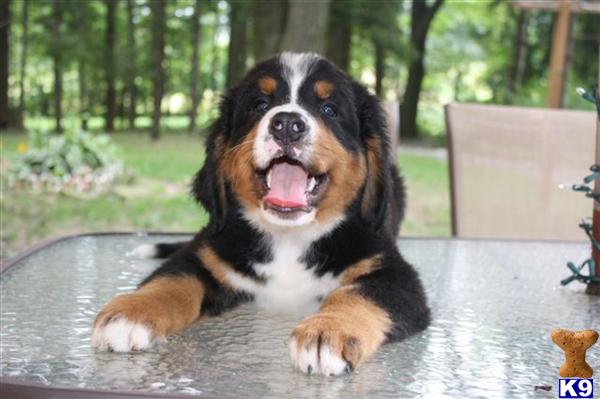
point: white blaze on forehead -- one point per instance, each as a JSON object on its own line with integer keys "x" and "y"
{"x": 296, "y": 67}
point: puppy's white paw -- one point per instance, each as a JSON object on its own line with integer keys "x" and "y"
{"x": 146, "y": 251}
{"x": 121, "y": 335}
{"x": 317, "y": 358}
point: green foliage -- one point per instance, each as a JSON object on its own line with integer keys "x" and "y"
{"x": 470, "y": 52}
{"x": 75, "y": 160}
{"x": 471, "y": 49}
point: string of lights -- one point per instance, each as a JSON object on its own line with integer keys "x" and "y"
{"x": 586, "y": 224}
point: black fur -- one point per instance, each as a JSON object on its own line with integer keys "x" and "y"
{"x": 394, "y": 286}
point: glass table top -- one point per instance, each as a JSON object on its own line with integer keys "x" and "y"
{"x": 494, "y": 305}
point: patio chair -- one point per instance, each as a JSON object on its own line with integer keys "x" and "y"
{"x": 512, "y": 168}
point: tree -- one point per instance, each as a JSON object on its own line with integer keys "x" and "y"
{"x": 421, "y": 17}
{"x": 379, "y": 29}
{"x": 237, "y": 41}
{"x": 306, "y": 26}
{"x": 109, "y": 66}
{"x": 379, "y": 67}
{"x": 82, "y": 79}
{"x": 158, "y": 49}
{"x": 4, "y": 55}
{"x": 131, "y": 65}
{"x": 269, "y": 21}
{"x": 57, "y": 51}
{"x": 80, "y": 50}
{"x": 23, "y": 66}
{"x": 195, "y": 42}
{"x": 339, "y": 34}
{"x": 520, "y": 47}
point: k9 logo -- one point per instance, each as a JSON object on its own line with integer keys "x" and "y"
{"x": 575, "y": 388}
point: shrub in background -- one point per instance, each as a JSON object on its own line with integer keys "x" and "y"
{"x": 74, "y": 161}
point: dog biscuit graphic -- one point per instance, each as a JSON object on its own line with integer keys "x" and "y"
{"x": 575, "y": 343}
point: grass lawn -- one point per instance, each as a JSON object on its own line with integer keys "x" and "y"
{"x": 158, "y": 197}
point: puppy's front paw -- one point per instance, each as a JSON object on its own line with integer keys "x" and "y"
{"x": 323, "y": 344}
{"x": 124, "y": 325}
{"x": 121, "y": 335}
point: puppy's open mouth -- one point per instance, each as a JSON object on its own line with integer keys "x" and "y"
{"x": 288, "y": 188}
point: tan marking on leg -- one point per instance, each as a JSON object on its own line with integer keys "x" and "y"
{"x": 165, "y": 305}
{"x": 267, "y": 85}
{"x": 350, "y": 324}
{"x": 218, "y": 268}
{"x": 359, "y": 269}
{"x": 323, "y": 88}
{"x": 346, "y": 171}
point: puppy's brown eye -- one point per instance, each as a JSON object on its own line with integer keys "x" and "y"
{"x": 328, "y": 110}
{"x": 261, "y": 105}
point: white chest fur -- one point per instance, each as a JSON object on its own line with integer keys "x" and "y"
{"x": 289, "y": 286}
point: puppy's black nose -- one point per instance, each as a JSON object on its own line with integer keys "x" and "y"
{"x": 287, "y": 127}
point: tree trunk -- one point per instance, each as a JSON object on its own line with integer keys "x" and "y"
{"x": 195, "y": 41}
{"x": 519, "y": 59}
{"x": 158, "y": 47}
{"x": 131, "y": 67}
{"x": 457, "y": 85}
{"x": 421, "y": 17}
{"x": 82, "y": 95}
{"x": 4, "y": 55}
{"x": 408, "y": 108}
{"x": 306, "y": 26}
{"x": 57, "y": 60}
{"x": 339, "y": 35}
{"x": 109, "y": 67}
{"x": 379, "y": 68}
{"x": 23, "y": 66}
{"x": 269, "y": 20}
{"x": 237, "y": 42}
{"x": 213, "y": 81}
{"x": 121, "y": 107}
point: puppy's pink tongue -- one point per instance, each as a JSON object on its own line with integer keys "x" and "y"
{"x": 288, "y": 185}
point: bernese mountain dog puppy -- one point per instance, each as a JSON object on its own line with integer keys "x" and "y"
{"x": 304, "y": 205}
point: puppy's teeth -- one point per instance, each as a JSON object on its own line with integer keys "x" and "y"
{"x": 312, "y": 182}
{"x": 269, "y": 179}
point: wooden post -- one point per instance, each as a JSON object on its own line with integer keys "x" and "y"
{"x": 558, "y": 57}
{"x": 594, "y": 288}
{"x": 560, "y": 38}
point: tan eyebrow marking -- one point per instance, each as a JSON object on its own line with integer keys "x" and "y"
{"x": 323, "y": 88}
{"x": 267, "y": 85}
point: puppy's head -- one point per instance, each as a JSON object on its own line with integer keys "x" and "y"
{"x": 297, "y": 143}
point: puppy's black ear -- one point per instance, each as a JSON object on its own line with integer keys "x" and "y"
{"x": 378, "y": 185}
{"x": 208, "y": 186}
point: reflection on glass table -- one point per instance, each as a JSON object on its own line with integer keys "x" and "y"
{"x": 494, "y": 305}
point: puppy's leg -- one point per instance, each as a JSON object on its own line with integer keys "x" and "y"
{"x": 347, "y": 329}
{"x": 380, "y": 302}
{"x": 173, "y": 297}
{"x": 162, "y": 306}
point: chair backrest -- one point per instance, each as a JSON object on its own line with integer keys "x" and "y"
{"x": 507, "y": 166}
